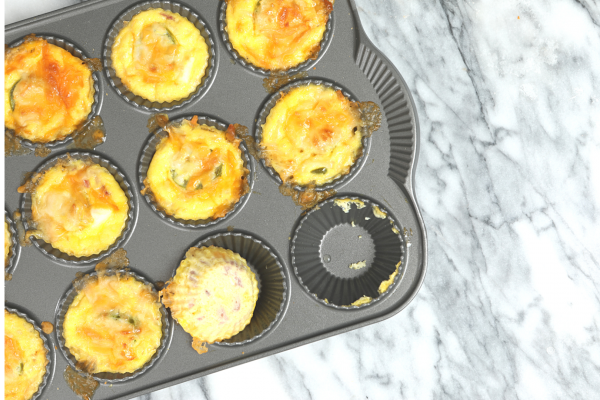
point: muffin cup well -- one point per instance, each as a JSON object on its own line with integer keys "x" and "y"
{"x": 138, "y": 101}
{"x": 79, "y": 53}
{"x": 108, "y": 377}
{"x": 325, "y": 42}
{"x": 59, "y": 256}
{"x": 146, "y": 158}
{"x": 50, "y": 356}
{"x": 15, "y": 248}
{"x": 266, "y": 110}
{"x": 272, "y": 282}
{"x": 334, "y": 282}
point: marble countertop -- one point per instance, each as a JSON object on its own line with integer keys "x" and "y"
{"x": 508, "y": 180}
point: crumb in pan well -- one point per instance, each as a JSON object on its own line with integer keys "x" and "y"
{"x": 25, "y": 358}
{"x": 277, "y": 34}
{"x": 197, "y": 171}
{"x": 212, "y": 295}
{"x": 346, "y": 204}
{"x": 114, "y": 323}
{"x": 314, "y": 134}
{"x": 77, "y": 206}
{"x": 48, "y": 92}
{"x": 160, "y": 56}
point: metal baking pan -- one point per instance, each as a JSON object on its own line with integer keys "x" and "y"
{"x": 155, "y": 245}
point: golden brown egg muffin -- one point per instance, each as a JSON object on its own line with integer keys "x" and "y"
{"x": 277, "y": 34}
{"x": 7, "y": 243}
{"x": 197, "y": 171}
{"x": 48, "y": 92}
{"x": 160, "y": 56}
{"x": 78, "y": 207}
{"x": 213, "y": 294}
{"x": 114, "y": 324}
{"x": 25, "y": 358}
{"x": 312, "y": 135}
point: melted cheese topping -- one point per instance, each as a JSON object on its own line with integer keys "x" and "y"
{"x": 24, "y": 358}
{"x": 48, "y": 92}
{"x": 213, "y": 294}
{"x": 160, "y": 55}
{"x": 311, "y": 135}
{"x": 197, "y": 172}
{"x": 113, "y": 324}
{"x": 79, "y": 208}
{"x": 7, "y": 243}
{"x": 277, "y": 34}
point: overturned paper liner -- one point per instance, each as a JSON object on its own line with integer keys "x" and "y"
{"x": 50, "y": 356}
{"x": 15, "y": 248}
{"x": 146, "y": 158}
{"x": 271, "y": 277}
{"x": 136, "y": 100}
{"x": 79, "y": 53}
{"x": 59, "y": 256}
{"x": 266, "y": 110}
{"x": 325, "y": 42}
{"x": 108, "y": 377}
{"x": 339, "y": 292}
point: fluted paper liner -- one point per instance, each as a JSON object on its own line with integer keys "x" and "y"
{"x": 47, "y": 345}
{"x": 79, "y": 53}
{"x": 136, "y": 100}
{"x": 146, "y": 158}
{"x": 271, "y": 277}
{"x": 15, "y": 248}
{"x": 109, "y": 377}
{"x": 364, "y": 286}
{"x": 325, "y": 42}
{"x": 59, "y": 256}
{"x": 266, "y": 110}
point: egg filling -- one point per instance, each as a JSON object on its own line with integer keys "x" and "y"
{"x": 48, "y": 92}
{"x": 197, "y": 171}
{"x": 213, "y": 294}
{"x": 277, "y": 34}
{"x": 114, "y": 324}
{"x": 25, "y": 358}
{"x": 160, "y": 56}
{"x": 79, "y": 208}
{"x": 312, "y": 135}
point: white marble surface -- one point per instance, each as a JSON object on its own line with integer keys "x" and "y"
{"x": 508, "y": 97}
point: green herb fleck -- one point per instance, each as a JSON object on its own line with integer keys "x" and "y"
{"x": 171, "y": 36}
{"x": 12, "y": 98}
{"x": 218, "y": 171}
{"x": 319, "y": 171}
{"x": 174, "y": 176}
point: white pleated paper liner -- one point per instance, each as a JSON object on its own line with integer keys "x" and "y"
{"x": 146, "y": 158}
{"x": 325, "y": 42}
{"x": 109, "y": 377}
{"x": 272, "y": 282}
{"x": 50, "y": 354}
{"x": 136, "y": 100}
{"x": 79, "y": 53}
{"x": 266, "y": 110}
{"x": 15, "y": 248}
{"x": 124, "y": 183}
{"x": 326, "y": 274}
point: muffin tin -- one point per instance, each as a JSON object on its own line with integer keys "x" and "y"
{"x": 295, "y": 310}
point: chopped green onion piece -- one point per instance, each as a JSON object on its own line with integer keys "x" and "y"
{"x": 319, "y": 171}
